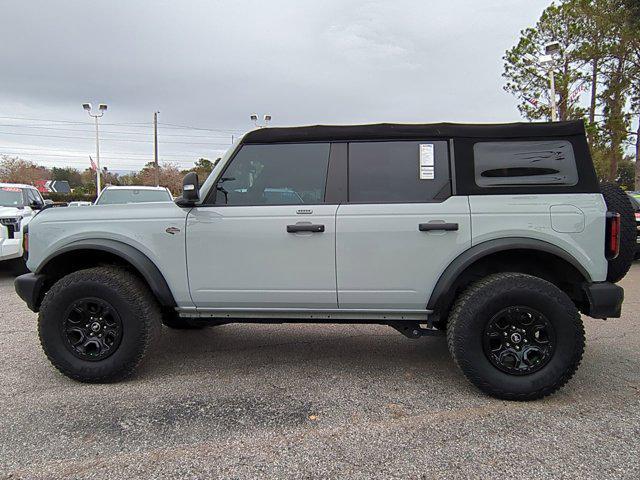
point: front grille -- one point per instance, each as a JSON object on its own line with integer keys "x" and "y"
{"x": 9, "y": 221}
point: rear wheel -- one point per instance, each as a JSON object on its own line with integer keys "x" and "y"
{"x": 95, "y": 325}
{"x": 515, "y": 336}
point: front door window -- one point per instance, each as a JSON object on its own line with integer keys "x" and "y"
{"x": 285, "y": 174}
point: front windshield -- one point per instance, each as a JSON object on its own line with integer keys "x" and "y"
{"x": 11, "y": 197}
{"x": 218, "y": 167}
{"x": 113, "y": 197}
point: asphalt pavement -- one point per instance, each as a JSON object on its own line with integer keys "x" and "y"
{"x": 313, "y": 401}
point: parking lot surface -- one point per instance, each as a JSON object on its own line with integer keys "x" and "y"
{"x": 313, "y": 401}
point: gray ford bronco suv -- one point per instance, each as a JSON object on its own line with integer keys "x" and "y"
{"x": 496, "y": 236}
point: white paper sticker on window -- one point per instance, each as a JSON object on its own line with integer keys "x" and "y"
{"x": 426, "y": 161}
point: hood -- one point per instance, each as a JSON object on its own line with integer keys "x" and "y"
{"x": 102, "y": 213}
{"x": 11, "y": 212}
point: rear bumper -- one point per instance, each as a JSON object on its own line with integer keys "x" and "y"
{"x": 605, "y": 299}
{"x": 29, "y": 288}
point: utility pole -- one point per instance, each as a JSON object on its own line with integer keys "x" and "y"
{"x": 155, "y": 146}
{"x": 552, "y": 94}
{"x": 101, "y": 109}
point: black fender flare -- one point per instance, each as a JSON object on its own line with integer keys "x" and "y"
{"x": 468, "y": 257}
{"x": 131, "y": 255}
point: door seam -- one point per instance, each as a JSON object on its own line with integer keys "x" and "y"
{"x": 335, "y": 252}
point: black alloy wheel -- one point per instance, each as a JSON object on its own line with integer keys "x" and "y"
{"x": 519, "y": 340}
{"x": 92, "y": 329}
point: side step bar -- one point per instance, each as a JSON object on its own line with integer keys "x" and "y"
{"x": 360, "y": 315}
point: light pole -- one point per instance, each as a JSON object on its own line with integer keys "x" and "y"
{"x": 155, "y": 147}
{"x": 101, "y": 109}
{"x": 550, "y": 50}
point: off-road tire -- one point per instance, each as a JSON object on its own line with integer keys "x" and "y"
{"x": 617, "y": 201}
{"x": 479, "y": 302}
{"x": 131, "y": 299}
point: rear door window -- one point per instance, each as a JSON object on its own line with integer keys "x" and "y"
{"x": 541, "y": 162}
{"x": 398, "y": 172}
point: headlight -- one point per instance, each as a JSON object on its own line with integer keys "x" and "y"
{"x": 10, "y": 220}
{"x": 12, "y": 224}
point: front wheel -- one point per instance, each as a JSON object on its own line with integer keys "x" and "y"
{"x": 95, "y": 325}
{"x": 515, "y": 336}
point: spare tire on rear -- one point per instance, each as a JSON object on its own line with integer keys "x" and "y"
{"x": 617, "y": 201}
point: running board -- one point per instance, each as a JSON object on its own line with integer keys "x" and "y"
{"x": 360, "y": 315}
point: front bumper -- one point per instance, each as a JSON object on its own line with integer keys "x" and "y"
{"x": 29, "y": 288}
{"x": 10, "y": 248}
{"x": 605, "y": 299}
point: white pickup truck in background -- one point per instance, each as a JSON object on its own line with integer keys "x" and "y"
{"x": 18, "y": 205}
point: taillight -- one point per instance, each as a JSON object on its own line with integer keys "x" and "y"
{"x": 612, "y": 238}
{"x": 637, "y": 216}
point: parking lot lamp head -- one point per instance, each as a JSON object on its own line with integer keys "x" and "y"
{"x": 552, "y": 48}
{"x": 102, "y": 107}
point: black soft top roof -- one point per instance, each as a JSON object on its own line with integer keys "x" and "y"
{"x": 390, "y": 131}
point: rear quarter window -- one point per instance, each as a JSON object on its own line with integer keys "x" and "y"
{"x": 522, "y": 163}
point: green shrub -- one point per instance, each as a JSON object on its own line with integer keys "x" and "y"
{"x": 69, "y": 197}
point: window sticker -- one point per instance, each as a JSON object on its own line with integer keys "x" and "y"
{"x": 426, "y": 161}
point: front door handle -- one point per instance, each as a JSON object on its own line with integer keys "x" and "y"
{"x": 305, "y": 227}
{"x": 432, "y": 227}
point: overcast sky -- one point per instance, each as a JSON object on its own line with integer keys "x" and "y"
{"x": 210, "y": 64}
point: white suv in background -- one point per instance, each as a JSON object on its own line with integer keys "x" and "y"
{"x": 18, "y": 204}
{"x": 133, "y": 194}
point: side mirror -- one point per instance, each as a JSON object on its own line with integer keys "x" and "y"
{"x": 37, "y": 205}
{"x": 190, "y": 190}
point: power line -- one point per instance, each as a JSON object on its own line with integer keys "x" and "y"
{"x": 36, "y": 149}
{"x": 74, "y": 122}
{"x": 14, "y": 125}
{"x": 131, "y": 124}
{"x": 150, "y": 158}
{"x": 109, "y": 139}
{"x": 199, "y": 128}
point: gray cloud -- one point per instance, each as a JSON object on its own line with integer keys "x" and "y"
{"x": 212, "y": 63}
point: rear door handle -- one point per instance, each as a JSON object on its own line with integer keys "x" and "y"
{"x": 305, "y": 227}
{"x": 431, "y": 227}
